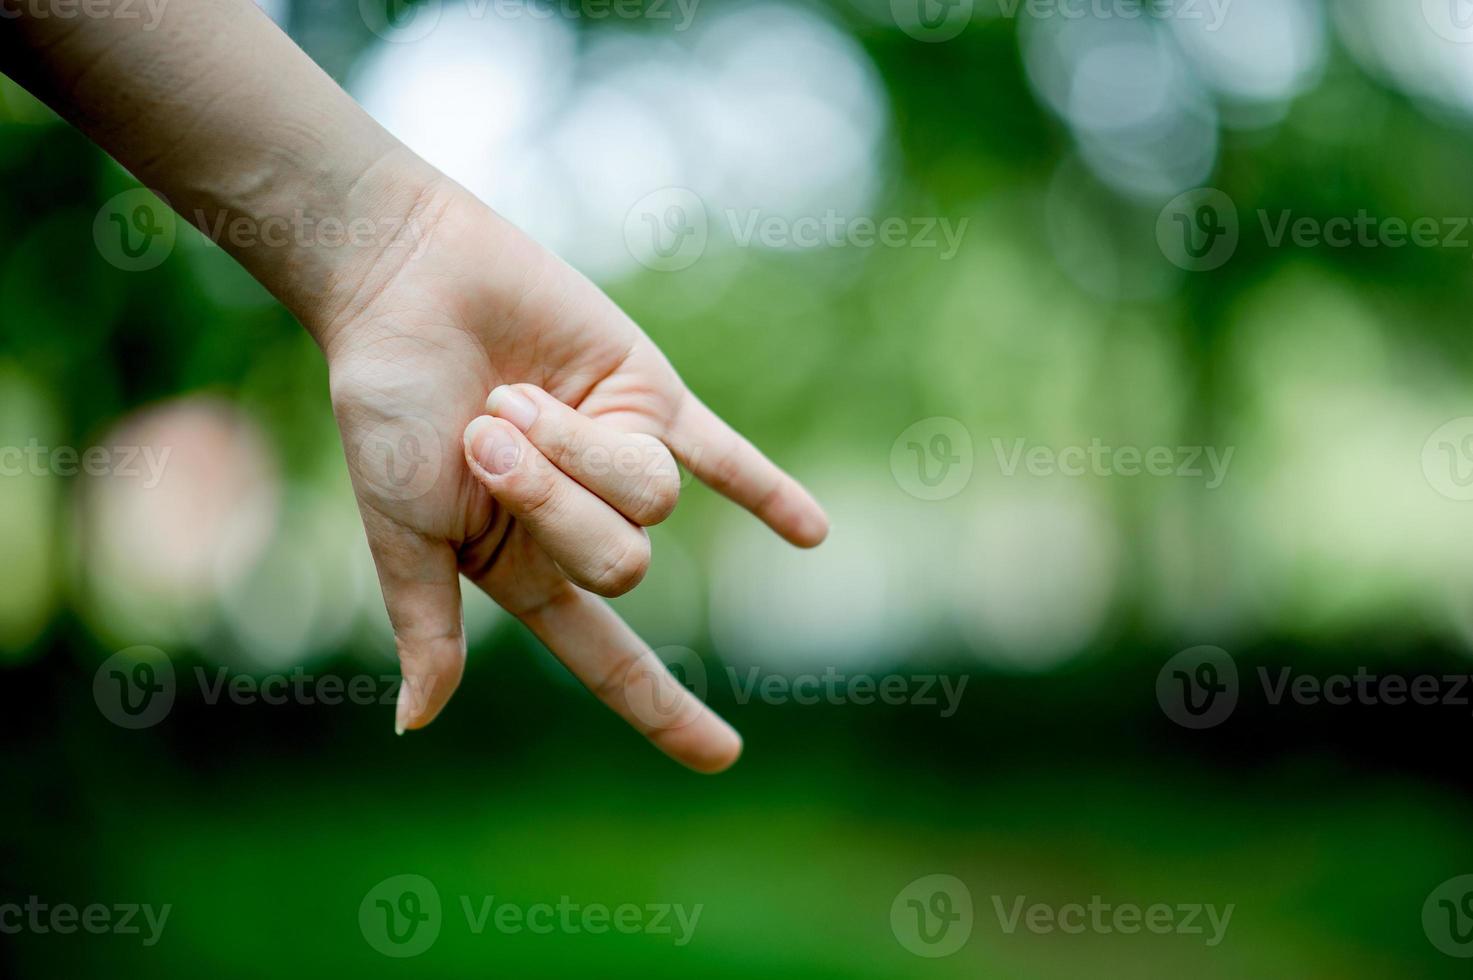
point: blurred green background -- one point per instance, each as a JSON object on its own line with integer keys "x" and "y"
{"x": 1336, "y": 540}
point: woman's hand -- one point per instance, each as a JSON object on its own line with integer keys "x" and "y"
{"x": 540, "y": 492}
{"x": 219, "y": 111}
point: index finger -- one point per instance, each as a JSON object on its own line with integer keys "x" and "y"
{"x": 729, "y": 464}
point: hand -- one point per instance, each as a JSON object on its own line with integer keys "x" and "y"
{"x": 532, "y": 503}
{"x": 417, "y": 331}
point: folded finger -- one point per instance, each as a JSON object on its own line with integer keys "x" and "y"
{"x": 591, "y": 542}
{"x": 633, "y": 472}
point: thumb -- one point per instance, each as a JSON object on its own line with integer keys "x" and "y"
{"x": 421, "y": 587}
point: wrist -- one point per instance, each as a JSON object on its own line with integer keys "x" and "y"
{"x": 221, "y": 114}
{"x": 352, "y": 238}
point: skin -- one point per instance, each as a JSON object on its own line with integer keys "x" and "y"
{"x": 502, "y": 418}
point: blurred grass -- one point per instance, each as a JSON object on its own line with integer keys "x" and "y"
{"x": 271, "y": 867}
{"x": 266, "y": 833}
{"x": 1326, "y": 829}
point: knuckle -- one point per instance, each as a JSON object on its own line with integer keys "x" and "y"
{"x": 575, "y": 455}
{"x": 659, "y": 488}
{"x": 625, "y": 569}
{"x": 611, "y": 689}
{"x": 657, "y": 501}
{"x": 535, "y": 493}
{"x": 727, "y": 469}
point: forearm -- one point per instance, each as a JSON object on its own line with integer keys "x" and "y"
{"x": 207, "y": 102}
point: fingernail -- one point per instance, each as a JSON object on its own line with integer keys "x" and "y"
{"x": 401, "y": 709}
{"x": 510, "y": 404}
{"x": 490, "y": 445}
